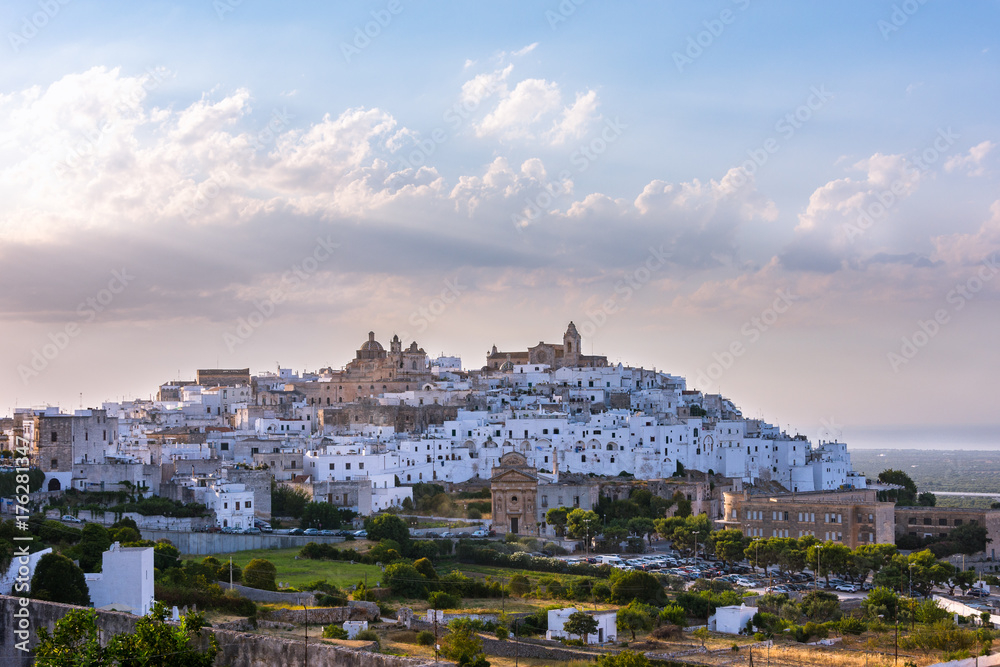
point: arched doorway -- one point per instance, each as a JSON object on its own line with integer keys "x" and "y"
{"x": 54, "y": 485}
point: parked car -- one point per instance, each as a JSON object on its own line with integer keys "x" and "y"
{"x": 481, "y": 533}
{"x": 361, "y": 533}
{"x": 978, "y": 593}
{"x": 847, "y": 588}
{"x": 447, "y": 534}
{"x": 311, "y": 531}
{"x": 253, "y": 530}
{"x": 296, "y": 531}
{"x": 71, "y": 519}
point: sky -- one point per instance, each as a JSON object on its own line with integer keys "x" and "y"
{"x": 795, "y": 204}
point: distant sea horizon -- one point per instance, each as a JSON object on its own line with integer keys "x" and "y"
{"x": 972, "y": 437}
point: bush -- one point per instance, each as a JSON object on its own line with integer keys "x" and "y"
{"x": 425, "y": 638}
{"x": 669, "y": 631}
{"x": 260, "y": 573}
{"x": 442, "y": 600}
{"x": 334, "y": 632}
{"x": 850, "y": 625}
{"x": 368, "y": 636}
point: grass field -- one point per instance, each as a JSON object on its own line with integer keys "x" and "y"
{"x": 299, "y": 571}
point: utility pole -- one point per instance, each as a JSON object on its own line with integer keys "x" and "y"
{"x": 230, "y": 572}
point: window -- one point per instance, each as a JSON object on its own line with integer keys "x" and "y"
{"x": 224, "y": 446}
{"x": 927, "y": 521}
{"x": 347, "y": 466}
{"x": 55, "y": 436}
{"x": 912, "y": 520}
{"x": 247, "y": 505}
{"x": 237, "y": 505}
{"x": 958, "y": 522}
{"x": 942, "y": 522}
{"x": 333, "y": 466}
{"x": 225, "y": 506}
{"x": 361, "y": 466}
{"x": 55, "y": 463}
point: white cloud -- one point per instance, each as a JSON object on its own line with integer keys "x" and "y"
{"x": 972, "y": 163}
{"x": 575, "y": 120}
{"x": 516, "y": 113}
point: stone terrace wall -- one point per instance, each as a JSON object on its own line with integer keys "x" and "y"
{"x": 236, "y": 649}
{"x": 508, "y": 649}
{"x": 257, "y": 595}
{"x": 326, "y": 615}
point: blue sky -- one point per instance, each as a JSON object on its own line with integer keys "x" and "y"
{"x": 185, "y": 186}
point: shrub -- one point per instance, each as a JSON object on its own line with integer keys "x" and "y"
{"x": 442, "y": 600}
{"x": 425, "y": 638}
{"x": 851, "y": 625}
{"x": 668, "y": 631}
{"x": 260, "y": 573}
{"x": 368, "y": 636}
{"x": 334, "y": 632}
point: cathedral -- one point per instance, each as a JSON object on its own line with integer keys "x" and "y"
{"x": 569, "y": 354}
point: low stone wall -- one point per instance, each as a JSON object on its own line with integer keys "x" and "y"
{"x": 236, "y": 649}
{"x": 257, "y": 595}
{"x": 205, "y": 544}
{"x": 510, "y": 648}
{"x": 356, "y": 611}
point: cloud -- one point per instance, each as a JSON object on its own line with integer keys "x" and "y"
{"x": 842, "y": 211}
{"x": 972, "y": 163}
{"x": 532, "y": 110}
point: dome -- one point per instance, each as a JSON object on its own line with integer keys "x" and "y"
{"x": 371, "y": 345}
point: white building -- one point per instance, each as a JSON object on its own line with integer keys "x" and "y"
{"x": 125, "y": 582}
{"x": 232, "y": 504}
{"x": 607, "y": 628}
{"x": 731, "y": 620}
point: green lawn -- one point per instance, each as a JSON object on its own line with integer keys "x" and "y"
{"x": 297, "y": 572}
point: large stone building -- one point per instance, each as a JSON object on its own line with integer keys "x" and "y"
{"x": 852, "y": 517}
{"x": 60, "y": 441}
{"x": 373, "y": 372}
{"x": 938, "y": 522}
{"x": 569, "y": 354}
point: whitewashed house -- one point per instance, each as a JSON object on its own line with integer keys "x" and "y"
{"x": 607, "y": 628}
{"x": 125, "y": 582}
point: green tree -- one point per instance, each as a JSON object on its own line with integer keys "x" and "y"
{"x": 821, "y": 606}
{"x": 701, "y": 634}
{"x": 260, "y": 573}
{"x": 287, "y": 501}
{"x": 968, "y": 538}
{"x": 580, "y": 624}
{"x": 582, "y": 524}
{"x": 94, "y": 541}
{"x": 388, "y": 527}
{"x": 636, "y": 585}
{"x": 463, "y": 645}
{"x": 425, "y": 567}
{"x": 404, "y": 580}
{"x": 643, "y": 527}
{"x": 729, "y": 545}
{"x": 881, "y": 602}
{"x": 927, "y": 499}
{"x": 624, "y": 659}
{"x": 320, "y": 515}
{"x": 905, "y": 496}
{"x": 636, "y": 616}
{"x": 75, "y": 642}
{"x": 519, "y": 585}
{"x": 556, "y": 517}
{"x": 58, "y": 579}
{"x": 166, "y": 555}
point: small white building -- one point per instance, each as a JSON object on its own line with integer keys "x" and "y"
{"x": 607, "y": 627}
{"x": 125, "y": 582}
{"x": 232, "y": 504}
{"x": 354, "y": 627}
{"x": 731, "y": 620}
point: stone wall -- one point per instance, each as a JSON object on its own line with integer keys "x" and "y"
{"x": 257, "y": 595}
{"x": 510, "y": 648}
{"x": 356, "y": 611}
{"x": 204, "y": 544}
{"x": 236, "y": 649}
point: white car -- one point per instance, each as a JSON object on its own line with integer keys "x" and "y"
{"x": 71, "y": 519}
{"x": 481, "y": 533}
{"x": 847, "y": 588}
